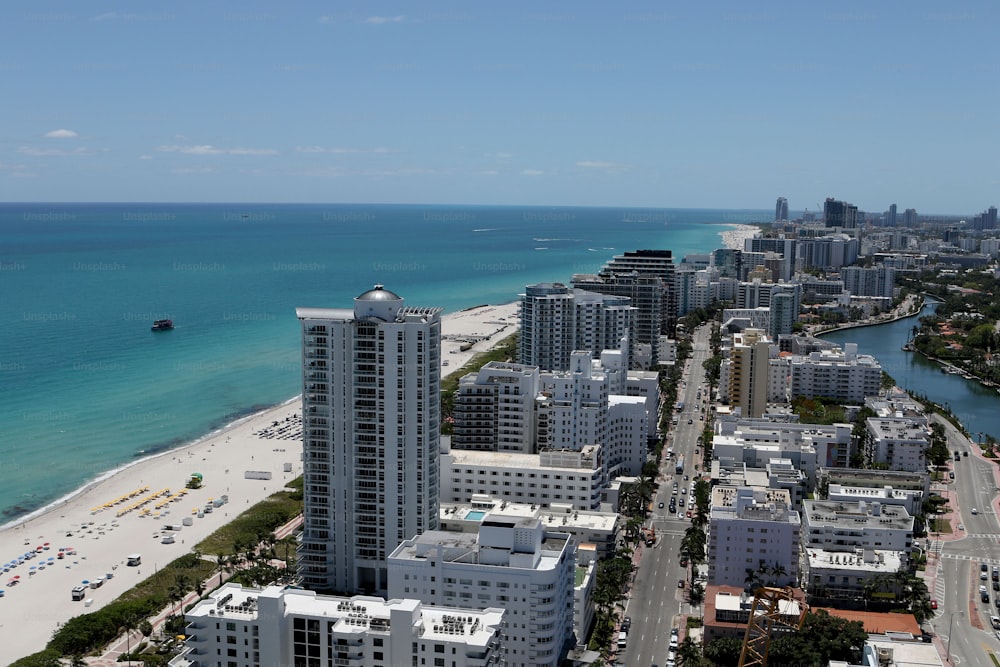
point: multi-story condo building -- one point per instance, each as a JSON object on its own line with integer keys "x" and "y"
{"x": 777, "y": 473}
{"x": 846, "y": 526}
{"x": 840, "y": 214}
{"x": 738, "y": 319}
{"x": 648, "y": 293}
{"x": 557, "y": 320}
{"x": 898, "y": 443}
{"x": 847, "y": 377}
{"x": 727, "y": 262}
{"x": 656, "y": 263}
{"x": 784, "y": 313}
{"x": 248, "y": 627}
{"x": 781, "y": 209}
{"x": 869, "y": 281}
{"x": 748, "y": 372}
{"x": 785, "y": 248}
{"x": 513, "y": 563}
{"x": 827, "y": 252}
{"x": 496, "y": 409}
{"x": 574, "y": 477}
{"x": 371, "y": 434}
{"x": 752, "y": 529}
{"x": 816, "y": 290}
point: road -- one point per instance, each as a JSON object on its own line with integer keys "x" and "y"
{"x": 962, "y": 621}
{"x": 655, "y": 601}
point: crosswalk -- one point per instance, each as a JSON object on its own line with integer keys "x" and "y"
{"x": 988, "y": 561}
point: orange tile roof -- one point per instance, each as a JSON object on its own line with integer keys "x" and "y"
{"x": 877, "y": 623}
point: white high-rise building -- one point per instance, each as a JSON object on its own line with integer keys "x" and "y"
{"x": 371, "y": 437}
{"x": 495, "y": 409}
{"x": 748, "y": 372}
{"x": 557, "y": 320}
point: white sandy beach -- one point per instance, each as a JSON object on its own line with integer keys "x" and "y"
{"x": 34, "y": 606}
{"x": 733, "y": 238}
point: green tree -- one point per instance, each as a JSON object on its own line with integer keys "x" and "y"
{"x": 724, "y": 651}
{"x": 822, "y": 638}
{"x": 689, "y": 653}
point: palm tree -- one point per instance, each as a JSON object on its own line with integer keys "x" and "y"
{"x": 688, "y": 653}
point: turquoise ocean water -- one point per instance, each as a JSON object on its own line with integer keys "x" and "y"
{"x": 86, "y": 387}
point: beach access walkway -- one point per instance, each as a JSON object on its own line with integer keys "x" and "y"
{"x": 130, "y": 640}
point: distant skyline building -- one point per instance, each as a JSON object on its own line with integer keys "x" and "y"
{"x": 910, "y": 217}
{"x": 838, "y": 213}
{"x": 890, "y": 216}
{"x": 371, "y": 422}
{"x": 781, "y": 209}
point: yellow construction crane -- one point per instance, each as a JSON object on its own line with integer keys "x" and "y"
{"x": 766, "y": 613}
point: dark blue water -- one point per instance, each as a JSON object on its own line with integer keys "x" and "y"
{"x": 977, "y": 407}
{"x": 85, "y": 386}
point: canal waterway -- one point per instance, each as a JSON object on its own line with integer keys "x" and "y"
{"x": 976, "y": 406}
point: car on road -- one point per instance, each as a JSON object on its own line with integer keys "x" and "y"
{"x": 983, "y": 567}
{"x": 933, "y": 604}
{"x": 975, "y": 511}
{"x": 627, "y": 623}
{"x": 951, "y": 475}
{"x": 688, "y": 514}
{"x": 684, "y": 561}
{"x": 680, "y": 583}
{"x": 985, "y": 597}
{"x": 996, "y": 585}
{"x": 983, "y": 577}
{"x": 961, "y": 526}
{"x": 661, "y": 505}
{"x": 690, "y": 421}
{"x": 685, "y": 478}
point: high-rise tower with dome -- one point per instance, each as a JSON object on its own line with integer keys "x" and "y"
{"x": 371, "y": 435}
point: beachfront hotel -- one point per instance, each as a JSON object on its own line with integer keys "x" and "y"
{"x": 371, "y": 436}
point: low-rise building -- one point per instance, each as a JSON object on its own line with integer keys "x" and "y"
{"x": 570, "y": 477}
{"x": 897, "y": 443}
{"x": 249, "y": 627}
{"x": 513, "y": 562}
{"x": 911, "y": 499}
{"x": 847, "y": 526}
{"x": 863, "y": 574}
{"x": 727, "y": 611}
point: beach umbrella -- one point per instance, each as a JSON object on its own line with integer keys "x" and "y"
{"x": 85, "y": 582}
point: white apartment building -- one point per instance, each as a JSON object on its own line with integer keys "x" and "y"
{"x": 847, "y": 377}
{"x": 495, "y": 409}
{"x": 596, "y": 529}
{"x": 557, "y": 320}
{"x": 910, "y": 499}
{"x": 869, "y": 281}
{"x": 513, "y": 563}
{"x": 248, "y": 627}
{"x": 739, "y": 319}
{"x": 807, "y": 446}
{"x": 778, "y": 379}
{"x": 751, "y": 529}
{"x": 577, "y": 478}
{"x": 371, "y": 434}
{"x": 898, "y": 443}
{"x": 850, "y": 575}
{"x": 846, "y": 526}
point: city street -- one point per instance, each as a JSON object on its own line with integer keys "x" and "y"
{"x": 963, "y": 621}
{"x": 655, "y": 602}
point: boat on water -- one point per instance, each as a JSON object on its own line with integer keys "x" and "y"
{"x": 162, "y": 325}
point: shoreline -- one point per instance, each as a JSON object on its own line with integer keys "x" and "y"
{"x": 246, "y": 461}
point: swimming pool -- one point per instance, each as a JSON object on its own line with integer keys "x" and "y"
{"x": 475, "y": 515}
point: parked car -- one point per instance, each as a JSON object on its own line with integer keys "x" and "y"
{"x": 933, "y": 604}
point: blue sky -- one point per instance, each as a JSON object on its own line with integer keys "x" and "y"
{"x": 672, "y": 104}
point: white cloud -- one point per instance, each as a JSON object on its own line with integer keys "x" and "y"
{"x": 193, "y": 170}
{"x": 208, "y": 149}
{"x": 601, "y": 164}
{"x": 532, "y": 172}
{"x": 379, "y": 20}
{"x": 61, "y": 134}
{"x": 145, "y": 157}
{"x": 52, "y": 152}
{"x": 343, "y": 150}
